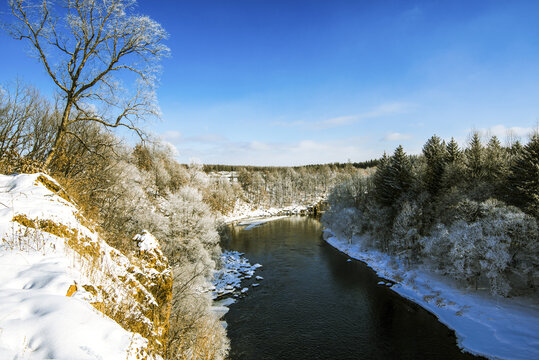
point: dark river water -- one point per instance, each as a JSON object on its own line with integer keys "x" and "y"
{"x": 314, "y": 304}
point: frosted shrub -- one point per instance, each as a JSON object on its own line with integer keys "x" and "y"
{"x": 436, "y": 247}
{"x": 465, "y": 252}
{"x": 344, "y": 222}
{"x": 342, "y": 196}
{"x": 511, "y": 245}
{"x": 502, "y": 241}
{"x": 192, "y": 236}
{"x": 495, "y": 262}
{"x": 405, "y": 235}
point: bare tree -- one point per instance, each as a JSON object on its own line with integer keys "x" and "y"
{"x": 89, "y": 48}
{"x": 27, "y": 122}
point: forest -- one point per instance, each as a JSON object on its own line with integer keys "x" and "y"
{"x": 127, "y": 188}
{"x": 470, "y": 214}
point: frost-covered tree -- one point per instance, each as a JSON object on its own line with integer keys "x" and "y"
{"x": 464, "y": 231}
{"x": 405, "y": 231}
{"x": 87, "y": 48}
{"x": 465, "y": 252}
{"x": 27, "y": 123}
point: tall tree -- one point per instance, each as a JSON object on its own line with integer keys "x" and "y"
{"x": 381, "y": 189}
{"x": 435, "y": 155}
{"x": 475, "y": 157}
{"x": 88, "y": 47}
{"x": 453, "y": 152}
{"x": 523, "y": 181}
{"x": 496, "y": 160}
{"x": 399, "y": 175}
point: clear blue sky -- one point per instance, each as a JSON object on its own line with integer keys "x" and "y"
{"x": 295, "y": 82}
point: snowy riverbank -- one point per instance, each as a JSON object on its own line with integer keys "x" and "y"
{"x": 227, "y": 281}
{"x": 244, "y": 211}
{"x": 235, "y": 268}
{"x": 497, "y": 328}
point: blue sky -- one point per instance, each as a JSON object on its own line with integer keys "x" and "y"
{"x": 296, "y": 82}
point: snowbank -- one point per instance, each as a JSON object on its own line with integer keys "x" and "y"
{"x": 244, "y": 211}
{"x": 484, "y": 325}
{"x": 65, "y": 293}
{"x": 146, "y": 241}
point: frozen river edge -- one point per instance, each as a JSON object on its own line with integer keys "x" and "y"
{"x": 496, "y": 328}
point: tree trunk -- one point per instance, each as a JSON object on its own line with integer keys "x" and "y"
{"x": 62, "y": 128}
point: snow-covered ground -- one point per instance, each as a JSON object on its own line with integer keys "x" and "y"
{"x": 45, "y": 313}
{"x": 244, "y": 211}
{"x": 497, "y": 328}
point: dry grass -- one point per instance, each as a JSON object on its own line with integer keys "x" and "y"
{"x": 139, "y": 301}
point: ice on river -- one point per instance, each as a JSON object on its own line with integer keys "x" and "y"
{"x": 252, "y": 223}
{"x": 227, "y": 280}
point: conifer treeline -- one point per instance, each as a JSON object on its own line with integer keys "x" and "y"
{"x": 332, "y": 166}
{"x": 470, "y": 213}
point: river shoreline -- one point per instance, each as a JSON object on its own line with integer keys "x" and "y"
{"x": 496, "y": 328}
{"x": 314, "y": 303}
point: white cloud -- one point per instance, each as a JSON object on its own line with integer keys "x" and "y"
{"x": 501, "y": 131}
{"x": 380, "y": 111}
{"x": 395, "y": 136}
{"x": 289, "y": 124}
{"x": 171, "y": 135}
{"x": 301, "y": 152}
{"x": 337, "y": 121}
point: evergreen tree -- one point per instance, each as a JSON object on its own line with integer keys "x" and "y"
{"x": 514, "y": 151}
{"x": 495, "y": 163}
{"x": 379, "y": 181}
{"x": 523, "y": 181}
{"x": 454, "y": 168}
{"x": 399, "y": 175}
{"x": 453, "y": 153}
{"x": 474, "y": 158}
{"x": 435, "y": 155}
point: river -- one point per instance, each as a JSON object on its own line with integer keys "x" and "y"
{"x": 314, "y": 303}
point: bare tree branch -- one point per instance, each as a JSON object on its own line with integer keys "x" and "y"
{"x": 97, "y": 44}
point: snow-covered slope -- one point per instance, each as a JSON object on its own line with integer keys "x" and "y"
{"x": 65, "y": 293}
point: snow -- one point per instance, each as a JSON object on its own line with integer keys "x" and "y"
{"x": 146, "y": 241}
{"x": 484, "y": 325}
{"x": 244, "y": 211}
{"x": 227, "y": 280}
{"x": 37, "y": 318}
{"x": 252, "y": 223}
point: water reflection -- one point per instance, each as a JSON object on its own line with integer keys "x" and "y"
{"x": 313, "y": 304}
